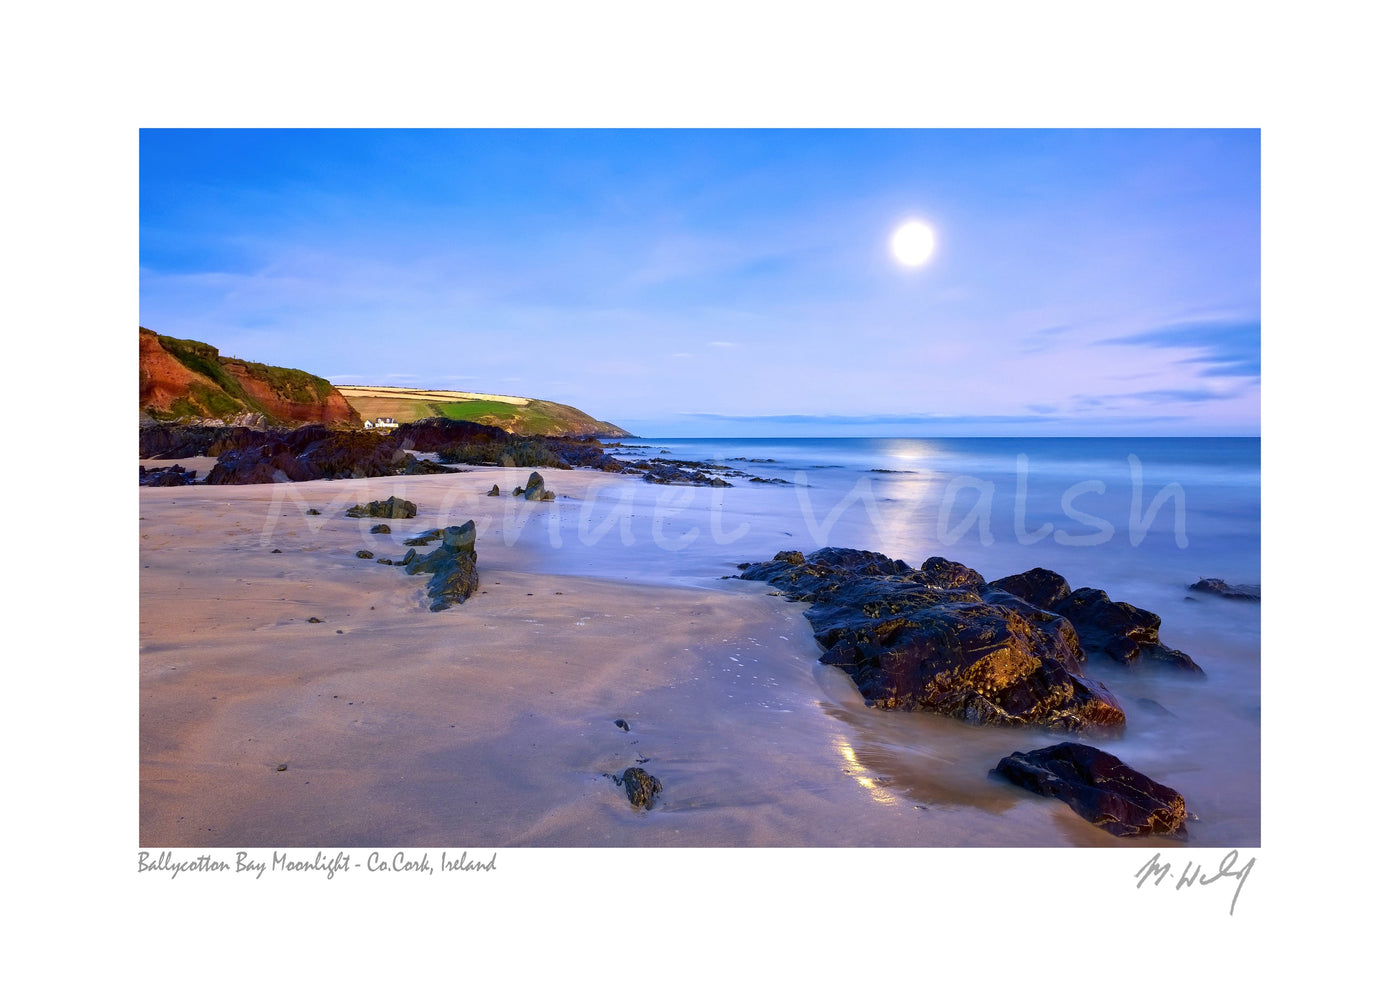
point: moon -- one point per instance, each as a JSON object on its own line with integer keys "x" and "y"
{"x": 912, "y": 243}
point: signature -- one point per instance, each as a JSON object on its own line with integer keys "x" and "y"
{"x": 1157, "y": 871}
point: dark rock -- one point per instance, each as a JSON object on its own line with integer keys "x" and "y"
{"x": 412, "y": 466}
{"x": 1215, "y": 586}
{"x": 276, "y": 551}
{"x": 423, "y": 539}
{"x": 1155, "y": 707}
{"x": 166, "y": 477}
{"x": 364, "y": 554}
{"x": 309, "y": 453}
{"x": 621, "y": 723}
{"x": 460, "y": 539}
{"x": 452, "y": 566}
{"x": 534, "y": 452}
{"x": 439, "y": 434}
{"x": 168, "y": 441}
{"x": 950, "y": 574}
{"x": 384, "y": 560}
{"x": 313, "y": 619}
{"x": 313, "y": 512}
{"x": 769, "y": 481}
{"x": 659, "y": 472}
{"x": 1120, "y": 631}
{"x": 1042, "y": 588}
{"x": 1100, "y": 788}
{"x": 453, "y": 584}
{"x": 910, "y": 643}
{"x": 495, "y": 490}
{"x": 392, "y": 507}
{"x": 641, "y": 786}
{"x": 534, "y": 490}
{"x": 380, "y": 528}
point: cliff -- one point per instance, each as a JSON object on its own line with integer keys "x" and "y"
{"x": 189, "y": 379}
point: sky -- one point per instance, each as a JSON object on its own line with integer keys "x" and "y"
{"x": 732, "y": 282}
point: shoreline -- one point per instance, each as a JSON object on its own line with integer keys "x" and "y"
{"x": 492, "y": 723}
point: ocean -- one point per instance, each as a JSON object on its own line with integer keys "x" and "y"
{"x": 1141, "y": 519}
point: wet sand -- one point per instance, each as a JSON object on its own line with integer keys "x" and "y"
{"x": 493, "y": 723}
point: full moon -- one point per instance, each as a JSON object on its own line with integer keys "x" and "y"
{"x": 912, "y": 244}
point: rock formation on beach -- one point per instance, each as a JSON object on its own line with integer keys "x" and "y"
{"x": 168, "y": 477}
{"x": 534, "y": 490}
{"x": 1100, "y": 788}
{"x": 452, "y": 565}
{"x": 641, "y": 787}
{"x": 392, "y": 507}
{"x": 310, "y": 453}
{"x": 315, "y": 452}
{"x": 942, "y": 639}
{"x": 928, "y": 639}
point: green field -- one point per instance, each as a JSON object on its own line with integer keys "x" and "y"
{"x": 524, "y": 417}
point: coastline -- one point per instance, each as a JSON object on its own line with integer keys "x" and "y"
{"x": 492, "y": 723}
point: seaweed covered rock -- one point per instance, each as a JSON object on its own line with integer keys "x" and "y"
{"x": 1041, "y": 587}
{"x": 950, "y": 574}
{"x": 452, "y": 566}
{"x": 166, "y": 477}
{"x": 392, "y": 507}
{"x": 641, "y": 787}
{"x": 1101, "y": 789}
{"x": 910, "y": 641}
{"x": 531, "y": 453}
{"x": 424, "y": 538}
{"x": 310, "y": 453}
{"x": 439, "y": 434}
{"x": 534, "y": 490}
{"x": 1123, "y": 632}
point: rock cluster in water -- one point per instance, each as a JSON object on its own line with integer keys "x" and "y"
{"x": 1100, "y": 788}
{"x": 1010, "y": 652}
{"x": 1215, "y": 586}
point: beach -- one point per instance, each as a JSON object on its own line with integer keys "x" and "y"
{"x": 494, "y": 723}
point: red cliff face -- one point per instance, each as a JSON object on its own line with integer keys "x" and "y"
{"x": 181, "y": 378}
{"x": 163, "y": 379}
{"x": 333, "y": 410}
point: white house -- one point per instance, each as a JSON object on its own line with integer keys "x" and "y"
{"x": 381, "y": 423}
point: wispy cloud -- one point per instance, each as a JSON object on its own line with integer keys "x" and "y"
{"x": 1161, "y": 396}
{"x": 1225, "y": 348}
{"x": 837, "y": 420}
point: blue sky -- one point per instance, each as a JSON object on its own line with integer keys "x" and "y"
{"x": 739, "y": 283}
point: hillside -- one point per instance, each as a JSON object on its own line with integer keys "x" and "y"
{"x": 536, "y": 417}
{"x": 189, "y": 379}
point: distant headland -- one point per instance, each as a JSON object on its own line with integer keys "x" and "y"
{"x": 190, "y": 382}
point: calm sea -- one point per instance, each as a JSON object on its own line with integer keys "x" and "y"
{"x": 1140, "y": 518}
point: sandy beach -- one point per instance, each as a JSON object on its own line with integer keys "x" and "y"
{"x": 493, "y": 723}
